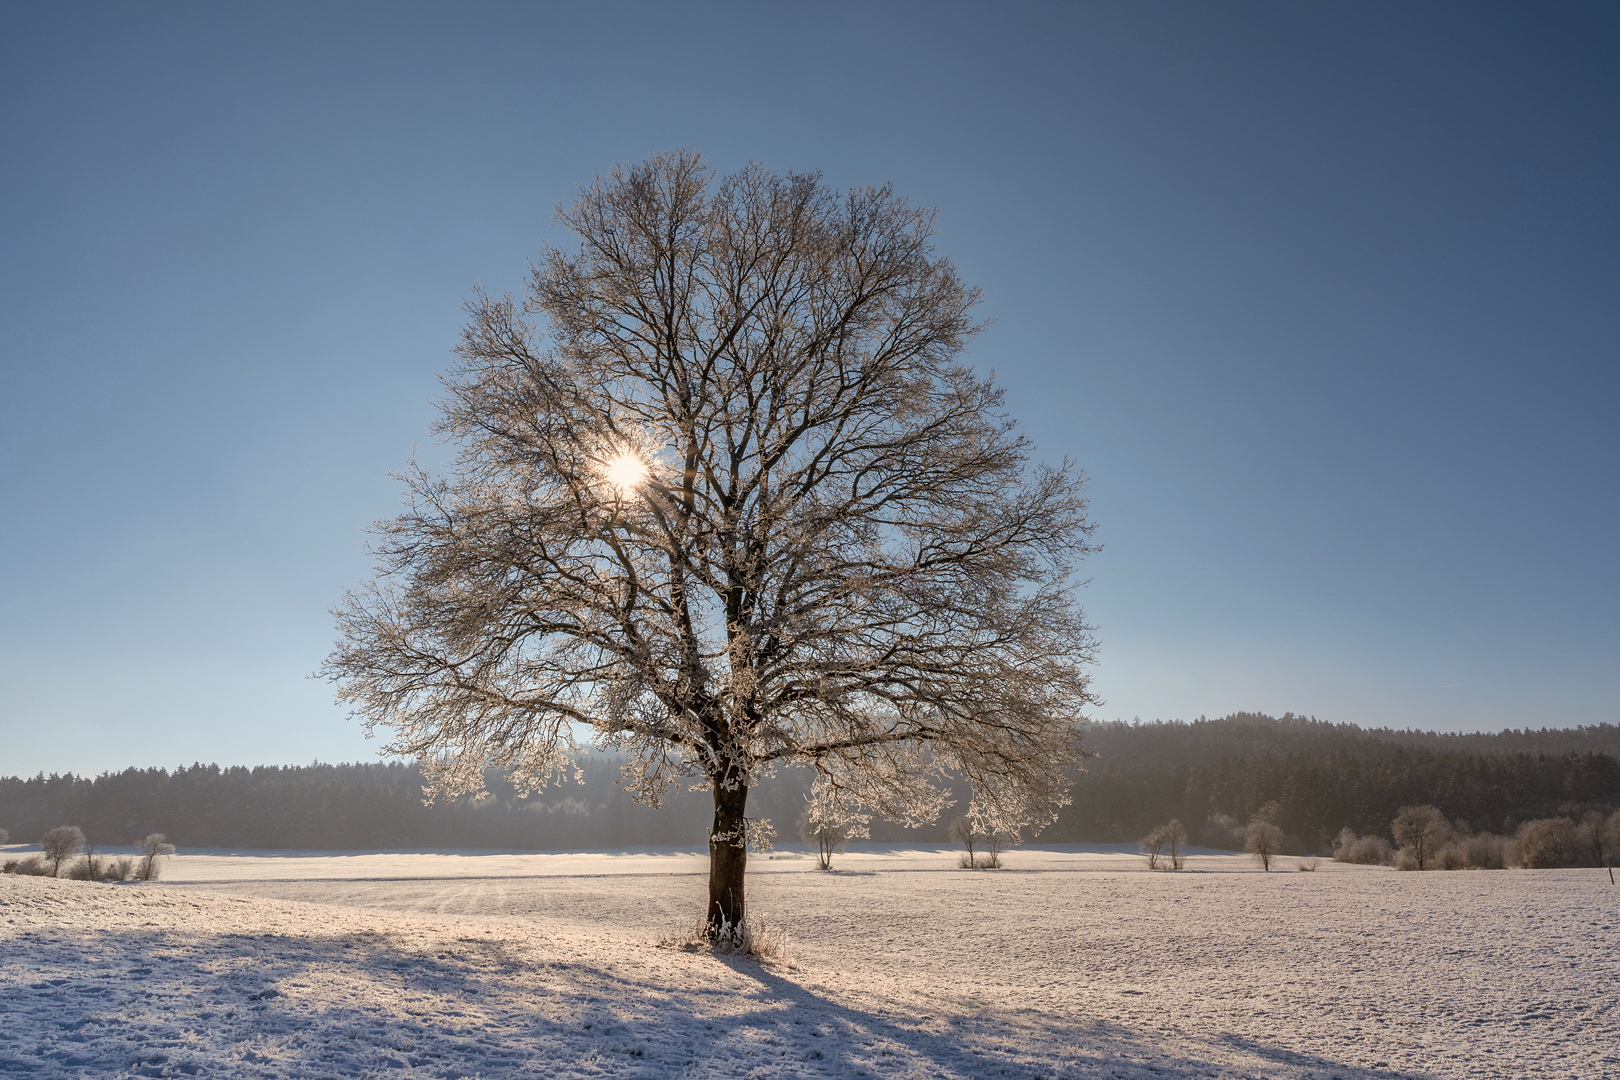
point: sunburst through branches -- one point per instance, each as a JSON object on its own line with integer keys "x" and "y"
{"x": 625, "y": 472}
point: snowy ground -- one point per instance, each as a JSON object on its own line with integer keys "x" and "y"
{"x": 1069, "y": 963}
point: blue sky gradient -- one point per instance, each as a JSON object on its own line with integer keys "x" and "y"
{"x": 1323, "y": 297}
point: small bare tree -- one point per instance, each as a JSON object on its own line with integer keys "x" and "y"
{"x": 151, "y": 848}
{"x": 5, "y": 837}
{"x": 729, "y": 500}
{"x": 1152, "y": 845}
{"x": 995, "y": 842}
{"x": 90, "y": 868}
{"x": 1601, "y": 836}
{"x": 1263, "y": 840}
{"x": 1175, "y": 843}
{"x": 828, "y": 836}
{"x": 976, "y": 837}
{"x": 1165, "y": 844}
{"x": 1420, "y": 831}
{"x": 964, "y": 833}
{"x": 61, "y": 844}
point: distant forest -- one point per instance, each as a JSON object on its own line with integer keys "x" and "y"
{"x": 1213, "y": 775}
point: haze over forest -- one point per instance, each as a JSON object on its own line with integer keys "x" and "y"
{"x": 1213, "y": 775}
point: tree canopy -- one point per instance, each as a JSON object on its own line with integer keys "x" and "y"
{"x": 727, "y": 498}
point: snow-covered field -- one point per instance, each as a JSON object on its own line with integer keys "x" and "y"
{"x": 1068, "y": 963}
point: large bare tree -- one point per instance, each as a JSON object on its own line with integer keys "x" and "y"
{"x": 728, "y": 500}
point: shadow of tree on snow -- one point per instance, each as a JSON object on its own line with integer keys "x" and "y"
{"x": 397, "y": 1002}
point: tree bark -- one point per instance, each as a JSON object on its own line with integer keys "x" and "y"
{"x": 728, "y": 860}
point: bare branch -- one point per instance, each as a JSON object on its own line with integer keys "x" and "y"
{"x": 840, "y": 556}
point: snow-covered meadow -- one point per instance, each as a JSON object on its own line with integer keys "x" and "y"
{"x": 1070, "y": 962}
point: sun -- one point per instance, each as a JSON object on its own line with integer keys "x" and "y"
{"x": 625, "y": 471}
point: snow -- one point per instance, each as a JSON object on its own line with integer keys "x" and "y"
{"x": 1070, "y": 962}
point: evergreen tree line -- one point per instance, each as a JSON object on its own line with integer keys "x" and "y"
{"x": 1314, "y": 779}
{"x": 366, "y": 805}
{"x": 1211, "y": 774}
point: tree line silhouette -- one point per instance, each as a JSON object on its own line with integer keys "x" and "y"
{"x": 1323, "y": 777}
{"x": 1210, "y": 774}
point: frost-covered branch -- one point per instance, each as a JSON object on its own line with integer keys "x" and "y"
{"x": 832, "y": 549}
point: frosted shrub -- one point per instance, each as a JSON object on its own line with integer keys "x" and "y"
{"x": 1421, "y": 831}
{"x": 1450, "y": 857}
{"x": 153, "y": 847}
{"x": 1364, "y": 850}
{"x": 1545, "y": 844}
{"x": 105, "y": 869}
{"x": 86, "y": 869}
{"x": 32, "y": 866}
{"x": 1483, "y": 851}
{"x": 96, "y": 867}
{"x": 92, "y": 867}
{"x": 1459, "y": 851}
{"x": 1309, "y": 864}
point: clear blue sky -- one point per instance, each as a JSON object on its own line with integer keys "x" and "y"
{"x": 1325, "y": 298}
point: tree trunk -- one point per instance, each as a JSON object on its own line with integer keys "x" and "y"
{"x": 728, "y": 860}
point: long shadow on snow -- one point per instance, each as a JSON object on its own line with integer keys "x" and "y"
{"x": 1096, "y": 1047}
{"x": 151, "y": 1003}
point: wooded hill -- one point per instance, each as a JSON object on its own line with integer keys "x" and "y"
{"x": 1213, "y": 775}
